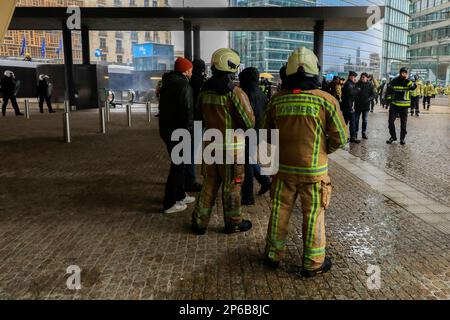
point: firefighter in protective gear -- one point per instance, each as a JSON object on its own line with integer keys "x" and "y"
{"x": 428, "y": 92}
{"x": 415, "y": 96}
{"x": 310, "y": 127}
{"x": 222, "y": 106}
{"x": 399, "y": 91}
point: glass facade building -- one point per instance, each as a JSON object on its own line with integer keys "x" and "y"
{"x": 395, "y": 36}
{"x": 343, "y": 51}
{"x": 429, "y": 39}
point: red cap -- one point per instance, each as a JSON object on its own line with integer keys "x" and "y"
{"x": 182, "y": 65}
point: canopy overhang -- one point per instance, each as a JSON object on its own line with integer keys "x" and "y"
{"x": 351, "y": 18}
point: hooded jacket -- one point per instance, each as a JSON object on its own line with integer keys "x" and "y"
{"x": 175, "y": 105}
{"x": 248, "y": 79}
{"x": 310, "y": 127}
{"x": 197, "y": 81}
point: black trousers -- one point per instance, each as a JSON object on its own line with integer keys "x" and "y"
{"x": 349, "y": 117}
{"x": 13, "y": 102}
{"x": 426, "y": 100}
{"x": 41, "y": 103}
{"x": 403, "y": 113}
{"x": 415, "y": 105}
{"x": 175, "y": 190}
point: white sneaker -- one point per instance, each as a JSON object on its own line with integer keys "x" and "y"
{"x": 187, "y": 200}
{"x": 177, "y": 207}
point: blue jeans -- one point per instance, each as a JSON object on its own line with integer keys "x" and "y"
{"x": 365, "y": 118}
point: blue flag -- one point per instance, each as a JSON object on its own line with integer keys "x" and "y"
{"x": 43, "y": 48}
{"x": 58, "y": 51}
{"x": 24, "y": 46}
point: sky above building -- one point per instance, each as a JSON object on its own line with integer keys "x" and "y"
{"x": 210, "y": 40}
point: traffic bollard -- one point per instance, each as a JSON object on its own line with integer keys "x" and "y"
{"x": 27, "y": 109}
{"x": 66, "y": 123}
{"x": 129, "y": 115}
{"x": 108, "y": 111}
{"x": 102, "y": 120}
{"x": 149, "y": 115}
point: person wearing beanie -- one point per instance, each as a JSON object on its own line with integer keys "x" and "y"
{"x": 176, "y": 105}
{"x": 248, "y": 79}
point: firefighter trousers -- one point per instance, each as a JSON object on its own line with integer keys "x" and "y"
{"x": 314, "y": 198}
{"x": 230, "y": 177}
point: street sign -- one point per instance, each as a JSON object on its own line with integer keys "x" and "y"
{"x": 98, "y": 52}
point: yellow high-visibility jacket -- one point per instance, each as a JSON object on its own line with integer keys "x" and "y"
{"x": 428, "y": 90}
{"x": 418, "y": 91}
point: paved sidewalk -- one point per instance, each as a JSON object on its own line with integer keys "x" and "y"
{"x": 96, "y": 203}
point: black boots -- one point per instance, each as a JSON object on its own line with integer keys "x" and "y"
{"x": 391, "y": 140}
{"x": 264, "y": 189}
{"x": 326, "y": 266}
{"x": 197, "y": 230}
{"x": 402, "y": 142}
{"x": 364, "y": 135}
{"x": 354, "y": 140}
{"x": 244, "y": 226}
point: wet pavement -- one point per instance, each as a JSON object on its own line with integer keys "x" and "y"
{"x": 424, "y": 162}
{"x": 96, "y": 204}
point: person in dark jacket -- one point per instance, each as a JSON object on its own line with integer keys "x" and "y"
{"x": 44, "y": 93}
{"x": 8, "y": 87}
{"x": 197, "y": 81}
{"x": 176, "y": 112}
{"x": 248, "y": 79}
{"x": 364, "y": 97}
{"x": 348, "y": 98}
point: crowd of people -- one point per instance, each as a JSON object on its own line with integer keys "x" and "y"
{"x": 310, "y": 127}
{"x": 313, "y": 119}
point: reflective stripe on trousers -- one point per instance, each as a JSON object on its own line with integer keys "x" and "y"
{"x": 314, "y": 198}
{"x": 228, "y": 176}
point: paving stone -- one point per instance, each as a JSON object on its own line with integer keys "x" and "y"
{"x": 96, "y": 203}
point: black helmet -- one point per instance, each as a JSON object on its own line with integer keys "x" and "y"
{"x": 403, "y": 69}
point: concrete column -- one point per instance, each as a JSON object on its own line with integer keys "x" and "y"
{"x": 68, "y": 65}
{"x": 318, "y": 40}
{"x": 197, "y": 52}
{"x": 187, "y": 40}
{"x": 85, "y": 45}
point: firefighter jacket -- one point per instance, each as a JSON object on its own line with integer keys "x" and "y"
{"x": 418, "y": 91}
{"x": 310, "y": 127}
{"x": 428, "y": 90}
{"x": 222, "y": 106}
{"x": 399, "y": 90}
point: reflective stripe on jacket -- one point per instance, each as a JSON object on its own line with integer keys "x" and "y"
{"x": 310, "y": 127}
{"x": 226, "y": 111}
{"x": 399, "y": 92}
